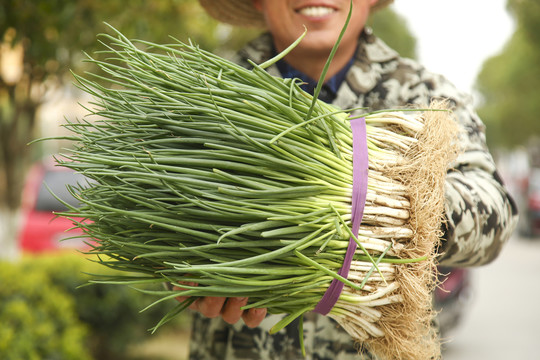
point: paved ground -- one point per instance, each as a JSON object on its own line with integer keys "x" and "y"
{"x": 503, "y": 321}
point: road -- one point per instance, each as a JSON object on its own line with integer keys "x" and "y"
{"x": 503, "y": 321}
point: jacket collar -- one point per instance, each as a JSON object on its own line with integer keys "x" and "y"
{"x": 368, "y": 65}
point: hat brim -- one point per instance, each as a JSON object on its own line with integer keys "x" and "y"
{"x": 242, "y": 12}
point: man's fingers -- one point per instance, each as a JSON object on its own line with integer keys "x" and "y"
{"x": 195, "y": 304}
{"x": 228, "y": 308}
{"x": 253, "y": 317}
{"x": 231, "y": 311}
{"x": 210, "y": 306}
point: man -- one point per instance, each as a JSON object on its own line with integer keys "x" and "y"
{"x": 364, "y": 73}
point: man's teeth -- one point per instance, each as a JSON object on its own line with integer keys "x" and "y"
{"x": 316, "y": 11}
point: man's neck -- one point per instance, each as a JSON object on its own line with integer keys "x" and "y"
{"x": 317, "y": 60}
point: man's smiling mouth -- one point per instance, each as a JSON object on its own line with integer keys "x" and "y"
{"x": 315, "y": 11}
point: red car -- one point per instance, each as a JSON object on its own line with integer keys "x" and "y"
{"x": 532, "y": 216}
{"x": 42, "y": 230}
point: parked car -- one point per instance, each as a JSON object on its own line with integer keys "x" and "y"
{"x": 42, "y": 230}
{"x": 451, "y": 298}
{"x": 532, "y": 215}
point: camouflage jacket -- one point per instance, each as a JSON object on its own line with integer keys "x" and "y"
{"x": 481, "y": 215}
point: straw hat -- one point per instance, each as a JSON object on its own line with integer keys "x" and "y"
{"x": 242, "y": 13}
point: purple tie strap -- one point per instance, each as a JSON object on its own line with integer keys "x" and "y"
{"x": 359, "y": 192}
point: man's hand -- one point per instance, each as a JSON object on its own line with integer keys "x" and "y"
{"x": 228, "y": 308}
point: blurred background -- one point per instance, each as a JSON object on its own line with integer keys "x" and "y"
{"x": 489, "y": 48}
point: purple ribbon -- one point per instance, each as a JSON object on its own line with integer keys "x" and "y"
{"x": 359, "y": 192}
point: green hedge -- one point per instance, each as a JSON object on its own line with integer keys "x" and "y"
{"x": 45, "y": 314}
{"x": 38, "y": 319}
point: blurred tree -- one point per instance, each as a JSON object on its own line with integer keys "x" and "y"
{"x": 393, "y": 29}
{"x": 527, "y": 14}
{"x": 510, "y": 81}
{"x": 41, "y": 40}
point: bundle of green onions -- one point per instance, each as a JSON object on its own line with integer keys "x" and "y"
{"x": 205, "y": 172}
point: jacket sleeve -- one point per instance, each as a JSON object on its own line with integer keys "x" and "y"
{"x": 480, "y": 213}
